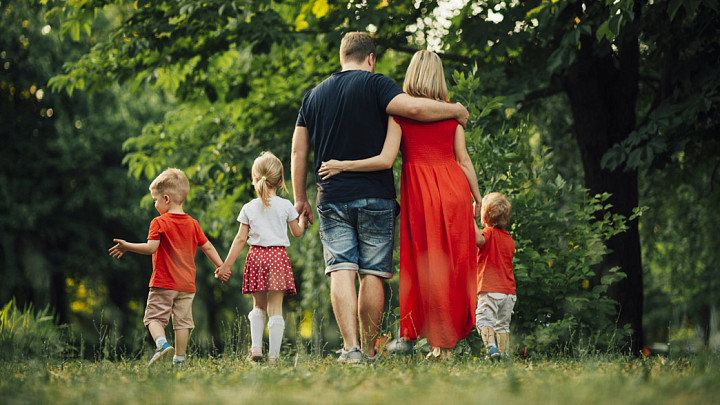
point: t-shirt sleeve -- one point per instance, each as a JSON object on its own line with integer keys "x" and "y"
{"x": 199, "y": 235}
{"x": 155, "y": 231}
{"x": 243, "y": 217}
{"x": 386, "y": 90}
{"x": 291, "y": 213}
{"x": 487, "y": 233}
{"x": 301, "y": 118}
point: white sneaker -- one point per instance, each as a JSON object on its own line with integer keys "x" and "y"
{"x": 352, "y": 356}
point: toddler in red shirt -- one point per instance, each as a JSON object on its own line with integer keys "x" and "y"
{"x": 495, "y": 280}
{"x": 173, "y": 240}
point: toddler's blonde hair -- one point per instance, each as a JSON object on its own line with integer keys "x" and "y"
{"x": 267, "y": 170}
{"x": 172, "y": 182}
{"x": 496, "y": 210}
{"x": 425, "y": 77}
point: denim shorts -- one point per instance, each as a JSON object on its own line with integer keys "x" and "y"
{"x": 358, "y": 235}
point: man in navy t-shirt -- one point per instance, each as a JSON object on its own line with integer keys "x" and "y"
{"x": 345, "y": 118}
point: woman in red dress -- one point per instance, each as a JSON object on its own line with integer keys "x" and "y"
{"x": 437, "y": 239}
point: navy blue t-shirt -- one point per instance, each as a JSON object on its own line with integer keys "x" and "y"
{"x": 346, "y": 120}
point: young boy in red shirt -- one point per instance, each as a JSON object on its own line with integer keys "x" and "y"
{"x": 495, "y": 279}
{"x": 172, "y": 241}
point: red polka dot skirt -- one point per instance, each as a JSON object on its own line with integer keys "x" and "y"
{"x": 268, "y": 269}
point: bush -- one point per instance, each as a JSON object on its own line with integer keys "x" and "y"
{"x": 29, "y": 334}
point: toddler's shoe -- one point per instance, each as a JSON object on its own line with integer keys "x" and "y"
{"x": 255, "y": 354}
{"x": 492, "y": 352}
{"x": 179, "y": 364}
{"x": 162, "y": 352}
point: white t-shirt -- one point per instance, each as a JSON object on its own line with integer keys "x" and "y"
{"x": 268, "y": 226}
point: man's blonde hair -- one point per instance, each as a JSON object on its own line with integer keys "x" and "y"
{"x": 496, "y": 210}
{"x": 172, "y": 182}
{"x": 355, "y": 47}
{"x": 425, "y": 77}
{"x": 268, "y": 172}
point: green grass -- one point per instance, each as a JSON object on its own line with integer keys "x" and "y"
{"x": 403, "y": 380}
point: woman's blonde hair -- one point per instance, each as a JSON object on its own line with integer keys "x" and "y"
{"x": 425, "y": 77}
{"x": 496, "y": 210}
{"x": 267, "y": 170}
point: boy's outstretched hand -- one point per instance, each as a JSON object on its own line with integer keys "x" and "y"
{"x": 119, "y": 249}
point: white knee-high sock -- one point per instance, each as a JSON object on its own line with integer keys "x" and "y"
{"x": 276, "y": 327}
{"x": 257, "y": 326}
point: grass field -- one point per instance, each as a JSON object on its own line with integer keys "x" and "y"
{"x": 402, "y": 380}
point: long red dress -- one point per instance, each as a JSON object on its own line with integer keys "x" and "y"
{"x": 437, "y": 239}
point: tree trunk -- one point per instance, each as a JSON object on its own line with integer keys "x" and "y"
{"x": 602, "y": 89}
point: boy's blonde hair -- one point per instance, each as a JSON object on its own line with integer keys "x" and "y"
{"x": 172, "y": 182}
{"x": 355, "y": 47}
{"x": 496, "y": 210}
{"x": 267, "y": 170}
{"x": 425, "y": 77}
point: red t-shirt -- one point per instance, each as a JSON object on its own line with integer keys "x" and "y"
{"x": 174, "y": 261}
{"x": 494, "y": 261}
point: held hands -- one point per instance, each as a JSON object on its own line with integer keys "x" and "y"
{"x": 223, "y": 273}
{"x": 477, "y": 207}
{"x": 330, "y": 168}
{"x": 304, "y": 209}
{"x": 119, "y": 249}
{"x": 303, "y": 221}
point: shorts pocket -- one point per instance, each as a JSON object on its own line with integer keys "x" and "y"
{"x": 329, "y": 219}
{"x": 375, "y": 222}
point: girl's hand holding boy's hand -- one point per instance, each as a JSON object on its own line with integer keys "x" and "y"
{"x": 303, "y": 221}
{"x": 223, "y": 273}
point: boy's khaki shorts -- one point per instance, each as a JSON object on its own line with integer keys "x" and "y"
{"x": 494, "y": 310}
{"x": 162, "y": 303}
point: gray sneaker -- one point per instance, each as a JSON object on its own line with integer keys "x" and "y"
{"x": 352, "y": 356}
{"x": 161, "y": 353}
{"x": 370, "y": 359}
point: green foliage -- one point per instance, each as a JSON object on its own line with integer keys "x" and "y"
{"x": 29, "y": 334}
{"x": 559, "y": 230}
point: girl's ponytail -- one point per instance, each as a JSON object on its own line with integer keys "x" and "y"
{"x": 263, "y": 191}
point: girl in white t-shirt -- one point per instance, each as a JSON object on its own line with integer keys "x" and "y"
{"x": 268, "y": 274}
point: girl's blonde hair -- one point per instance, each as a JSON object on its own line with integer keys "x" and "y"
{"x": 496, "y": 210}
{"x": 425, "y": 77}
{"x": 267, "y": 171}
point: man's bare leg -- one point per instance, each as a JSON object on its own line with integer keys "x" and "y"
{"x": 345, "y": 305}
{"x": 371, "y": 300}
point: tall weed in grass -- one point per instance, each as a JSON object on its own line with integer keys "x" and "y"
{"x": 30, "y": 333}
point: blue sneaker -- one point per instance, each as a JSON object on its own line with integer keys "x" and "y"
{"x": 179, "y": 364}
{"x": 492, "y": 352}
{"x": 162, "y": 352}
